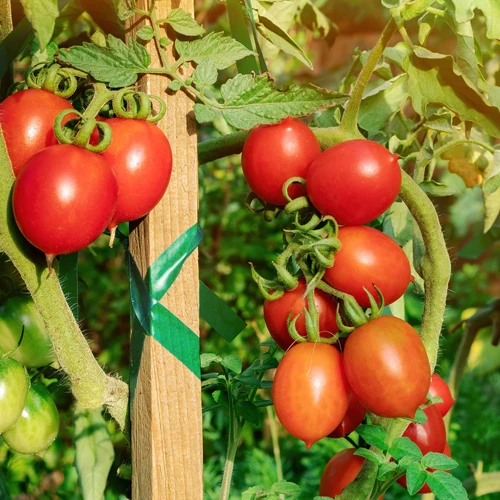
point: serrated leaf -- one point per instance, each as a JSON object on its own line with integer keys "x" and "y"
{"x": 435, "y": 188}
{"x": 182, "y": 22}
{"x": 445, "y": 486}
{"x": 145, "y": 33}
{"x": 248, "y": 379}
{"x": 253, "y": 100}
{"x": 118, "y": 64}
{"x": 222, "y": 51}
{"x": 94, "y": 452}
{"x": 438, "y": 461}
{"x": 232, "y": 362}
{"x": 420, "y": 416}
{"x": 386, "y": 470}
{"x": 374, "y": 435}
{"x": 42, "y": 15}
{"x": 404, "y": 447}
{"x": 203, "y": 113}
{"x": 415, "y": 478}
{"x": 248, "y": 411}
{"x": 286, "y": 488}
{"x": 370, "y": 455}
{"x": 205, "y": 74}
{"x": 207, "y": 358}
{"x": 251, "y": 493}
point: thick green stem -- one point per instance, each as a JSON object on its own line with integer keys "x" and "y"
{"x": 229, "y": 464}
{"x": 90, "y": 385}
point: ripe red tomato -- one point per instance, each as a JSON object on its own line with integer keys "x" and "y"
{"x": 141, "y": 159}
{"x": 440, "y": 388}
{"x": 274, "y": 153}
{"x": 276, "y": 313}
{"x": 64, "y": 197}
{"x": 27, "y": 120}
{"x": 369, "y": 257}
{"x": 431, "y": 435}
{"x": 387, "y": 367}
{"x": 310, "y": 391}
{"x": 354, "y": 181}
{"x": 354, "y": 416}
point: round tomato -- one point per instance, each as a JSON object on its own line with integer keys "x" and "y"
{"x": 369, "y": 257}
{"x": 64, "y": 198}
{"x": 274, "y": 153}
{"x": 354, "y": 181}
{"x": 354, "y": 416}
{"x": 310, "y": 391}
{"x": 27, "y": 120}
{"x": 14, "y": 385}
{"x": 277, "y": 311}
{"x": 38, "y": 425}
{"x": 141, "y": 159}
{"x": 440, "y": 388}
{"x": 387, "y": 367}
{"x": 431, "y": 435}
{"x": 36, "y": 348}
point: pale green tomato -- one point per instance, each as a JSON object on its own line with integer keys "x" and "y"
{"x": 14, "y": 385}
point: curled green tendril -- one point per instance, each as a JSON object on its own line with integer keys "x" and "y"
{"x": 53, "y": 78}
{"x": 129, "y": 103}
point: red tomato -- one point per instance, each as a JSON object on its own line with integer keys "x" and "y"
{"x": 431, "y": 435}
{"x": 354, "y": 181}
{"x": 274, "y": 153}
{"x": 310, "y": 391}
{"x": 354, "y": 416}
{"x": 440, "y": 388}
{"x": 369, "y": 257}
{"x": 387, "y": 367}
{"x": 141, "y": 159}
{"x": 276, "y": 313}
{"x": 27, "y": 120}
{"x": 64, "y": 197}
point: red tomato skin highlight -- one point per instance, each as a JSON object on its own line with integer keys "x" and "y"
{"x": 27, "y": 121}
{"x": 387, "y": 367}
{"x": 369, "y": 257}
{"x": 355, "y": 414}
{"x": 310, "y": 391}
{"x": 354, "y": 181}
{"x": 431, "y": 435}
{"x": 440, "y": 388}
{"x": 274, "y": 153}
{"x": 141, "y": 159}
{"x": 64, "y": 198}
{"x": 276, "y": 313}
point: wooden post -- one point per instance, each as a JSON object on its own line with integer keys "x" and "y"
{"x": 167, "y": 448}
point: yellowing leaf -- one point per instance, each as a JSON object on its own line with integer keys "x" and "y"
{"x": 466, "y": 170}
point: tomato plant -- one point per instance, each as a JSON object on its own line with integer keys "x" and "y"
{"x": 369, "y": 257}
{"x": 310, "y": 391}
{"x": 357, "y": 173}
{"x": 387, "y": 367}
{"x": 440, "y": 388}
{"x": 14, "y": 385}
{"x": 272, "y": 154}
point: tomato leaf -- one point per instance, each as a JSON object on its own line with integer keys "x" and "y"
{"x": 251, "y": 493}
{"x": 42, "y": 15}
{"x": 207, "y": 358}
{"x": 464, "y": 11}
{"x": 182, "y": 22}
{"x": 232, "y": 362}
{"x": 415, "y": 478}
{"x": 404, "y": 447}
{"x": 203, "y": 113}
{"x": 370, "y": 455}
{"x": 386, "y": 470}
{"x": 438, "y": 461}
{"x": 205, "y": 74}
{"x": 436, "y": 188}
{"x": 248, "y": 411}
{"x": 145, "y": 33}
{"x": 286, "y": 488}
{"x": 446, "y": 486}
{"x": 420, "y": 416}
{"x": 374, "y": 435}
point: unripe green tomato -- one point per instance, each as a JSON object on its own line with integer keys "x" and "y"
{"x": 38, "y": 425}
{"x": 14, "y": 385}
{"x": 35, "y": 349}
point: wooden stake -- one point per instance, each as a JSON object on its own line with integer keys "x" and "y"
{"x": 167, "y": 452}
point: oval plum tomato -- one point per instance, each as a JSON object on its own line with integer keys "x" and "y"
{"x": 27, "y": 120}
{"x": 14, "y": 385}
{"x": 354, "y": 181}
{"x": 274, "y": 153}
{"x": 369, "y": 257}
{"x": 141, "y": 158}
{"x": 354, "y": 416}
{"x": 387, "y": 367}
{"x": 310, "y": 391}
{"x": 440, "y": 388}
{"x": 38, "y": 425}
{"x": 36, "y": 348}
{"x": 276, "y": 313}
{"x": 64, "y": 198}
{"x": 431, "y": 435}
{"x": 341, "y": 470}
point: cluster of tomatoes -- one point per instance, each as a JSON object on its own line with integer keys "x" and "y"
{"x": 65, "y": 196}
{"x": 29, "y": 420}
{"x": 322, "y": 389}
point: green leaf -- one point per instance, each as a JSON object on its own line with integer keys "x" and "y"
{"x": 491, "y": 199}
{"x": 286, "y": 488}
{"x": 182, "y": 22}
{"x": 420, "y": 416}
{"x": 250, "y": 101}
{"x": 464, "y": 11}
{"x": 438, "y": 461}
{"x": 251, "y": 493}
{"x": 374, "y": 435}
{"x": 220, "y": 397}
{"x": 42, "y": 15}
{"x": 164, "y": 42}
{"x": 436, "y": 78}
{"x": 491, "y": 185}
{"x": 415, "y": 478}
{"x": 415, "y": 8}
{"x": 315, "y": 20}
{"x": 386, "y": 470}
{"x": 445, "y": 486}
{"x": 145, "y": 33}
{"x": 4, "y": 494}
{"x": 435, "y": 188}
{"x": 14, "y": 44}
{"x": 174, "y": 85}
{"x": 268, "y": 343}
{"x": 117, "y": 64}
{"x": 248, "y": 411}
{"x": 207, "y": 358}
{"x": 232, "y": 362}
{"x": 205, "y": 74}
{"x": 222, "y": 51}
{"x": 203, "y": 113}
{"x": 94, "y": 452}
{"x": 425, "y": 25}
{"x": 404, "y": 447}
{"x": 370, "y": 455}
{"x": 248, "y": 379}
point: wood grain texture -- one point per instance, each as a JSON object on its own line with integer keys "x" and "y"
{"x": 167, "y": 452}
